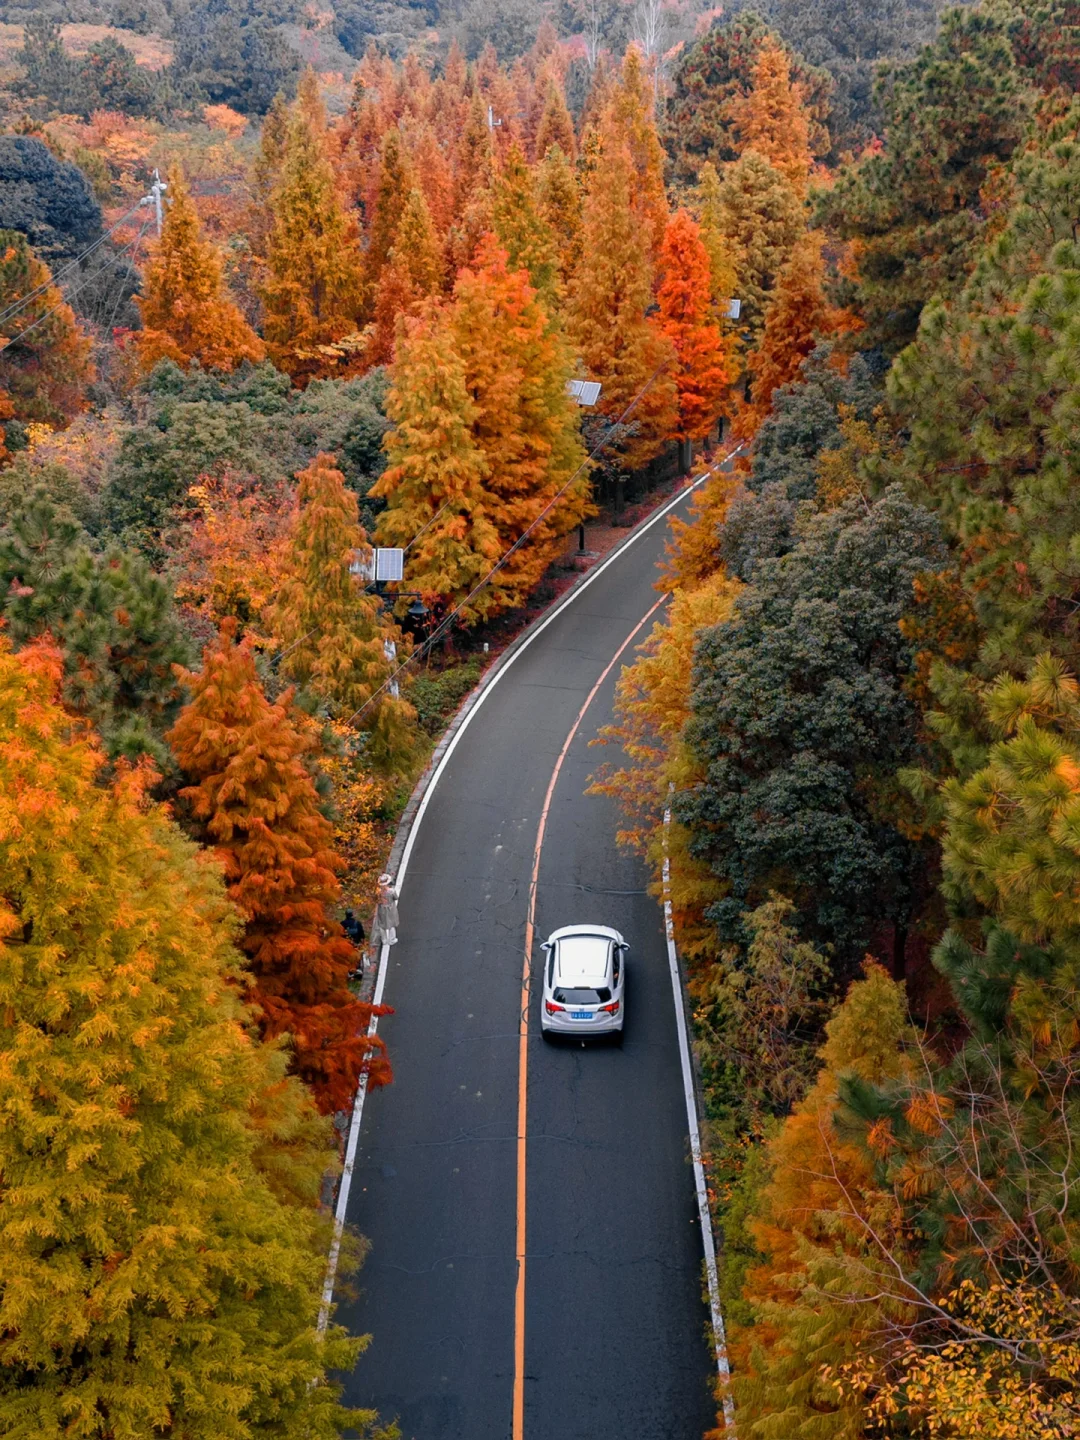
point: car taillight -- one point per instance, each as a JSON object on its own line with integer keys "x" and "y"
{"x": 551, "y": 1007}
{"x": 612, "y": 1009}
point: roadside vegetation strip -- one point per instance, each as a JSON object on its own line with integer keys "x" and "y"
{"x": 690, "y": 1093}
{"x": 414, "y": 812}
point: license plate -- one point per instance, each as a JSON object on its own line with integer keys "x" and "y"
{"x": 581, "y": 1015}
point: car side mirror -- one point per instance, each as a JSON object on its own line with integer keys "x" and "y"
{"x": 547, "y": 945}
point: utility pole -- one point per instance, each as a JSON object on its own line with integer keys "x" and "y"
{"x": 492, "y": 122}
{"x": 157, "y": 189}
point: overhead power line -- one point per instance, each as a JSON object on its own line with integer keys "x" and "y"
{"x": 23, "y": 301}
{"x": 21, "y": 336}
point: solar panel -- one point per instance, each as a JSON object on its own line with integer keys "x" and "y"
{"x": 389, "y": 565}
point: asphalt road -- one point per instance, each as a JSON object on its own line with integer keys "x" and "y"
{"x": 614, "y": 1321}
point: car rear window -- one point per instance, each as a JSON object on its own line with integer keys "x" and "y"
{"x": 583, "y": 997}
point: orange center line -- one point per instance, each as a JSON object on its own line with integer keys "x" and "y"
{"x": 518, "y": 1428}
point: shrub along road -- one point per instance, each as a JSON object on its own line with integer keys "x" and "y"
{"x": 613, "y": 1340}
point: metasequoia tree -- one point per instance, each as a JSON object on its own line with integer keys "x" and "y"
{"x": 163, "y": 1248}
{"x": 611, "y": 291}
{"x": 434, "y": 485}
{"x": 556, "y": 127}
{"x": 761, "y": 219}
{"x": 314, "y": 286}
{"x": 526, "y": 426}
{"x": 772, "y": 119}
{"x": 558, "y": 194}
{"x": 522, "y": 229}
{"x": 719, "y": 245}
{"x": 391, "y": 196}
{"x": 797, "y": 319}
{"x": 414, "y": 270}
{"x": 45, "y": 363}
{"x": 253, "y": 800}
{"x": 812, "y": 1245}
{"x": 630, "y": 121}
{"x": 703, "y": 367}
{"x": 186, "y": 312}
{"x": 331, "y": 631}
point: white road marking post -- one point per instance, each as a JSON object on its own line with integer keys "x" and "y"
{"x": 487, "y": 684}
{"x": 704, "y": 1213}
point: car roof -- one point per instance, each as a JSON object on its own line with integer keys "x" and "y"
{"x": 604, "y": 930}
{"x": 583, "y": 958}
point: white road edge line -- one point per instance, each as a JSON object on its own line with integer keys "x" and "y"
{"x": 487, "y": 684}
{"x": 689, "y": 1092}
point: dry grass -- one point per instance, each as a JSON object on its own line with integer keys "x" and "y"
{"x": 149, "y": 50}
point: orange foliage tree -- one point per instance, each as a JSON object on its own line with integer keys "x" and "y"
{"x": 772, "y": 118}
{"x": 526, "y": 426}
{"x": 631, "y": 121}
{"x": 255, "y": 802}
{"x": 704, "y": 368}
{"x": 797, "y": 318}
{"x": 229, "y": 557}
{"x": 186, "y": 312}
{"x": 45, "y": 362}
{"x": 391, "y": 197}
{"x": 609, "y": 295}
{"x": 434, "y": 485}
{"x": 413, "y": 271}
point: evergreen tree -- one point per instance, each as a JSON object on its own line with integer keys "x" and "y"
{"x": 332, "y": 634}
{"x": 988, "y": 395}
{"x": 113, "y": 618}
{"x": 916, "y": 207}
{"x": 703, "y": 368}
{"x": 163, "y": 1248}
{"x": 801, "y": 717}
{"x": 611, "y": 291}
{"x": 255, "y": 804}
{"x": 45, "y": 363}
{"x": 314, "y": 287}
{"x": 185, "y": 309}
{"x": 434, "y": 485}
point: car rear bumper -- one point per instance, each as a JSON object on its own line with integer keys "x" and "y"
{"x": 557, "y": 1025}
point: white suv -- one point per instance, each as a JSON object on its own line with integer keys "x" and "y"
{"x": 584, "y": 981}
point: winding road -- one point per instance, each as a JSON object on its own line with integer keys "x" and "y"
{"x": 535, "y": 1263}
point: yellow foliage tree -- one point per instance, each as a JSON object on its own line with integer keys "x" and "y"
{"x": 332, "y": 634}
{"x": 314, "y": 287}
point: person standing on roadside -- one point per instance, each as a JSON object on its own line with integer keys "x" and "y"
{"x": 384, "y": 931}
